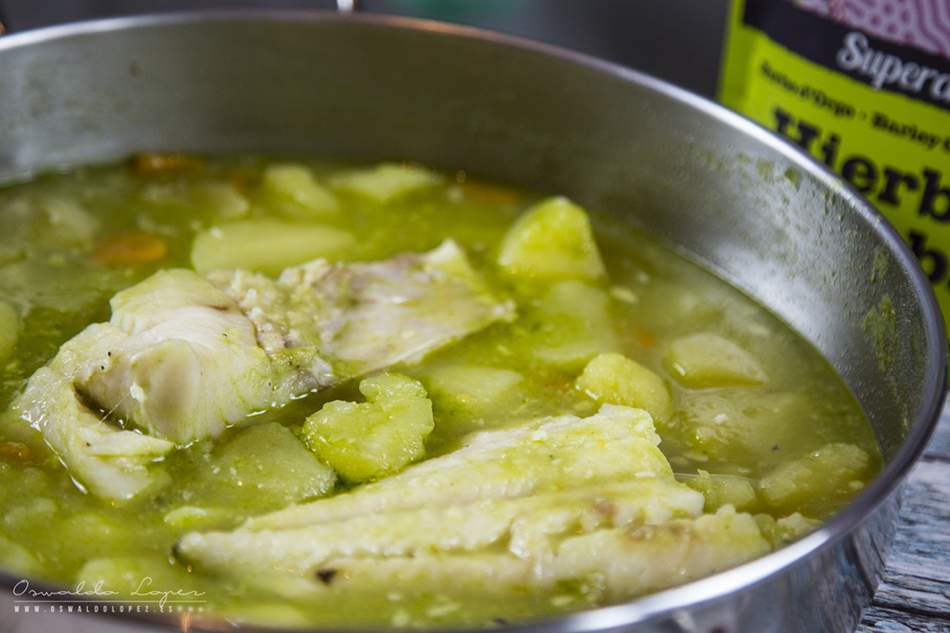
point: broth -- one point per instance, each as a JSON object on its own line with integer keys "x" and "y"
{"x": 781, "y": 438}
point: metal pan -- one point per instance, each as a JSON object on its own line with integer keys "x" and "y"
{"x": 716, "y": 186}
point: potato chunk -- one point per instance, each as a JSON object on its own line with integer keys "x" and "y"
{"x": 296, "y": 193}
{"x": 369, "y": 440}
{"x": 708, "y": 360}
{"x": 270, "y": 461}
{"x": 67, "y": 221}
{"x": 387, "y": 182}
{"x": 223, "y": 198}
{"x": 196, "y": 518}
{"x": 616, "y": 379}
{"x": 787, "y": 529}
{"x": 721, "y": 490}
{"x": 553, "y": 239}
{"x": 571, "y": 325}
{"x": 266, "y": 246}
{"x": 474, "y": 390}
{"x": 741, "y": 424}
{"x": 822, "y": 475}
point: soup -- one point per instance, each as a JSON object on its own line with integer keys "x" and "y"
{"x": 316, "y": 394}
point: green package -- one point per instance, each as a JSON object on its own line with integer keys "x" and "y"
{"x": 865, "y": 88}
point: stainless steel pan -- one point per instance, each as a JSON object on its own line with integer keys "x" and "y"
{"x": 718, "y": 187}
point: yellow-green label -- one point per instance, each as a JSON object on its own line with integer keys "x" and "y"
{"x": 874, "y": 109}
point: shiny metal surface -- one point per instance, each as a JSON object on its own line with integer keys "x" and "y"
{"x": 718, "y": 187}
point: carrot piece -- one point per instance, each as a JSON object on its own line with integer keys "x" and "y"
{"x": 156, "y": 163}
{"x": 132, "y": 248}
{"x": 645, "y": 338}
{"x": 14, "y": 451}
{"x": 487, "y": 194}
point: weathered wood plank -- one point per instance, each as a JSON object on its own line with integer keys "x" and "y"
{"x": 923, "y": 538}
{"x": 914, "y": 594}
{"x": 880, "y": 620}
{"x": 939, "y": 447}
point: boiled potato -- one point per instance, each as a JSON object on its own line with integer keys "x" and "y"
{"x": 268, "y": 462}
{"x": 570, "y": 325}
{"x": 197, "y": 518}
{"x": 221, "y": 197}
{"x": 795, "y": 525}
{"x": 673, "y": 308}
{"x": 296, "y": 193}
{"x": 387, "y": 182}
{"x": 822, "y": 475}
{"x": 266, "y": 246}
{"x": 372, "y": 439}
{"x": 741, "y": 426}
{"x": 616, "y": 379}
{"x": 709, "y": 360}
{"x": 782, "y": 531}
{"x": 552, "y": 240}
{"x": 69, "y": 223}
{"x": 474, "y": 390}
{"x": 721, "y": 490}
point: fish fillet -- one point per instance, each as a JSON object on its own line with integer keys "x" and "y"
{"x": 554, "y": 500}
{"x": 185, "y": 356}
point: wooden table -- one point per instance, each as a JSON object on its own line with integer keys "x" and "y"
{"x": 914, "y": 595}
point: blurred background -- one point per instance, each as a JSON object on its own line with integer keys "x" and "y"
{"x": 677, "y": 40}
